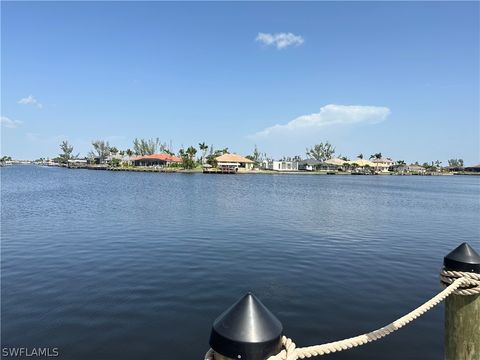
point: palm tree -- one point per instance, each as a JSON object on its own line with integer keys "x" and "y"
{"x": 360, "y": 156}
{"x": 188, "y": 156}
{"x": 191, "y": 151}
{"x": 204, "y": 148}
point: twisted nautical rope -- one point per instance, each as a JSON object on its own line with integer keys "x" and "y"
{"x": 470, "y": 285}
{"x": 455, "y": 282}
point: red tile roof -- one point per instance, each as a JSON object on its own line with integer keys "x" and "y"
{"x": 164, "y": 157}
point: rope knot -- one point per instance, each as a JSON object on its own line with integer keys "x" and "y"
{"x": 470, "y": 284}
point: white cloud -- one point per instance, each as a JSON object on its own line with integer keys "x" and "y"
{"x": 330, "y": 115}
{"x": 9, "y": 123}
{"x": 279, "y": 40}
{"x": 30, "y": 100}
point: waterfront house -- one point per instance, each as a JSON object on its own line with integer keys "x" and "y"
{"x": 335, "y": 161}
{"x": 77, "y": 163}
{"x": 362, "y": 163}
{"x": 475, "y": 168}
{"x": 454, "y": 168}
{"x": 280, "y": 165}
{"x": 309, "y": 165}
{"x": 156, "y": 160}
{"x": 415, "y": 169}
{"x": 382, "y": 165}
{"x": 399, "y": 168}
{"x": 233, "y": 162}
{"x": 334, "y": 164}
{"x": 361, "y": 166}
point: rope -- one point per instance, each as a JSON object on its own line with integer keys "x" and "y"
{"x": 455, "y": 282}
{"x": 209, "y": 355}
{"x": 471, "y": 285}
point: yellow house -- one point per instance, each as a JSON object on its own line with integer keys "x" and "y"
{"x": 362, "y": 163}
{"x": 383, "y": 164}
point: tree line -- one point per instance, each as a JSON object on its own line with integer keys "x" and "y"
{"x": 102, "y": 150}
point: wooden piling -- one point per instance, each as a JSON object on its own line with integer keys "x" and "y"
{"x": 462, "y": 327}
{"x": 462, "y": 312}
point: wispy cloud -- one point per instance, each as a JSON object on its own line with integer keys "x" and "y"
{"x": 30, "y": 100}
{"x": 279, "y": 40}
{"x": 330, "y": 115}
{"x": 9, "y": 123}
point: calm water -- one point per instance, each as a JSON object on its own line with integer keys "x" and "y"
{"x": 107, "y": 265}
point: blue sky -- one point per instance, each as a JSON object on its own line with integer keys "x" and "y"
{"x": 397, "y": 78}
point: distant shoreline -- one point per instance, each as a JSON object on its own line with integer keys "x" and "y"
{"x": 253, "y": 172}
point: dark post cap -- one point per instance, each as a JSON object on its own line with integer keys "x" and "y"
{"x": 463, "y": 258}
{"x": 247, "y": 331}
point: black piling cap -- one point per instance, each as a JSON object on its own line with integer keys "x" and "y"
{"x": 247, "y": 331}
{"x": 463, "y": 258}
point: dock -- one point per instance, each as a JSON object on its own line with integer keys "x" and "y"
{"x": 222, "y": 170}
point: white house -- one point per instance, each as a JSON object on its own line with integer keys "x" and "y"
{"x": 280, "y": 165}
{"x": 77, "y": 163}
